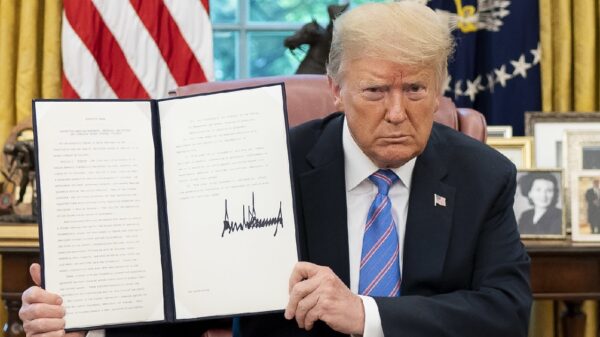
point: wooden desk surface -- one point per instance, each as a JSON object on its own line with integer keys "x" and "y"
{"x": 19, "y": 248}
{"x": 538, "y": 247}
{"x": 17, "y": 237}
{"x": 564, "y": 270}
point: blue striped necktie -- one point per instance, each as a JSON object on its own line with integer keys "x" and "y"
{"x": 379, "y": 264}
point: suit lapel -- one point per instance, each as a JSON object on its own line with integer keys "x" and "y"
{"x": 324, "y": 208}
{"x": 428, "y": 225}
{"x": 324, "y": 203}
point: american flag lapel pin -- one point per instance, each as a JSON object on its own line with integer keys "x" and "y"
{"x": 438, "y": 200}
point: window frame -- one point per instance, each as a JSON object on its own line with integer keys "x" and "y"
{"x": 244, "y": 26}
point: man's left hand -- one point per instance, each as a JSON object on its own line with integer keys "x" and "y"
{"x": 316, "y": 293}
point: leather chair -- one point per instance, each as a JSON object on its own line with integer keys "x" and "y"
{"x": 308, "y": 97}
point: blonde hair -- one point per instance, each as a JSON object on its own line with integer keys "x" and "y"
{"x": 403, "y": 32}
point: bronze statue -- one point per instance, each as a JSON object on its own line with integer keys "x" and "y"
{"x": 18, "y": 169}
{"x": 22, "y": 158}
{"x": 319, "y": 41}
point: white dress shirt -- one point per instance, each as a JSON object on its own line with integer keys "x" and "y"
{"x": 95, "y": 333}
{"x": 360, "y": 193}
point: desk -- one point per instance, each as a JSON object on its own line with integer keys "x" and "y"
{"x": 560, "y": 270}
{"x": 567, "y": 271}
{"x": 19, "y": 248}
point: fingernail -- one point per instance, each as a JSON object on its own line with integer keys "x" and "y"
{"x": 59, "y": 300}
{"x": 287, "y": 315}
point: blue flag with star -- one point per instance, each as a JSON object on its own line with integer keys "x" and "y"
{"x": 496, "y": 66}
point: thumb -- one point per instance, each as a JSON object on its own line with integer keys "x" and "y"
{"x": 36, "y": 273}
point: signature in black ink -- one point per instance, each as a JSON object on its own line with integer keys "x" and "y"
{"x": 253, "y": 221}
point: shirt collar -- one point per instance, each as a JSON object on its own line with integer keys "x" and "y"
{"x": 359, "y": 167}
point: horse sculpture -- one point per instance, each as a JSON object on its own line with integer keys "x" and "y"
{"x": 318, "y": 40}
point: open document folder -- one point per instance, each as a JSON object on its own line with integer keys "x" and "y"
{"x": 166, "y": 210}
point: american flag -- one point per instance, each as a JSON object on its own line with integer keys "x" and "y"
{"x": 136, "y": 48}
{"x": 438, "y": 200}
{"x": 484, "y": 75}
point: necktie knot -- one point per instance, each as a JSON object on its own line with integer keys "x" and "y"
{"x": 383, "y": 179}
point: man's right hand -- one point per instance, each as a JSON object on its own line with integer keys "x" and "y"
{"x": 42, "y": 312}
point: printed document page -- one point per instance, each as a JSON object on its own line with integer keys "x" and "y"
{"x": 99, "y": 210}
{"x": 229, "y": 202}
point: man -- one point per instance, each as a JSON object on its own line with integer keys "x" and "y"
{"x": 592, "y": 197}
{"x": 415, "y": 217}
{"x": 463, "y": 269}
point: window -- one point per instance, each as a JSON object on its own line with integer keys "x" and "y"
{"x": 248, "y": 34}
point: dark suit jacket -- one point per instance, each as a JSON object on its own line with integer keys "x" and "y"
{"x": 465, "y": 271}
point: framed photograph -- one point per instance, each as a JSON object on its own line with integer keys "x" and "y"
{"x": 548, "y": 129}
{"x": 499, "y": 131}
{"x": 518, "y": 149}
{"x": 581, "y": 152}
{"x": 585, "y": 205}
{"x": 539, "y": 204}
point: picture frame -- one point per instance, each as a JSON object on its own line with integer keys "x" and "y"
{"x": 574, "y": 143}
{"x": 499, "y": 131}
{"x": 518, "y": 149}
{"x": 581, "y": 151}
{"x": 539, "y": 204}
{"x": 547, "y": 129}
{"x": 585, "y": 206}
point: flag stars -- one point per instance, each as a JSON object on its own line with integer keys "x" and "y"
{"x": 473, "y": 88}
{"x": 487, "y": 82}
{"x": 502, "y": 76}
{"x": 521, "y": 67}
{"x": 536, "y": 54}
{"x": 502, "y": 13}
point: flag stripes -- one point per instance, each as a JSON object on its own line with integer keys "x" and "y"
{"x": 205, "y": 5}
{"x": 88, "y": 83}
{"x": 91, "y": 29}
{"x": 167, "y": 36}
{"x": 136, "y": 41}
{"x": 67, "y": 89}
{"x": 134, "y": 49}
{"x": 190, "y": 25}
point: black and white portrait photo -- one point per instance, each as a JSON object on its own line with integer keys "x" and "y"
{"x": 538, "y": 204}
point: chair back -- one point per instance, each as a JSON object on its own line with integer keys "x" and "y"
{"x": 309, "y": 97}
